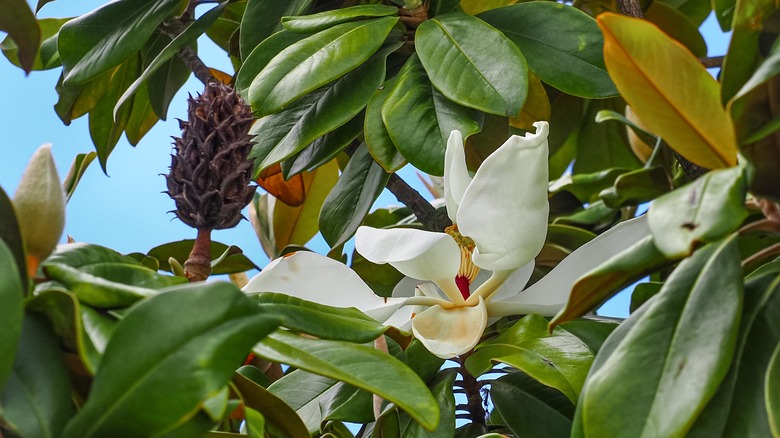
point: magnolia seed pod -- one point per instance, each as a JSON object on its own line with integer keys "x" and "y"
{"x": 39, "y": 203}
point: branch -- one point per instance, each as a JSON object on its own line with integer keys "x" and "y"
{"x": 631, "y": 8}
{"x": 175, "y": 27}
{"x": 431, "y": 219}
{"x": 712, "y": 61}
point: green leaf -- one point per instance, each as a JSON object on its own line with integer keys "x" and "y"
{"x": 377, "y": 139}
{"x": 171, "y": 67}
{"x": 621, "y": 270}
{"x": 724, "y": 12}
{"x": 316, "y": 61}
{"x": 224, "y": 31}
{"x": 669, "y": 90}
{"x": 701, "y": 212}
{"x": 442, "y": 390}
{"x": 677, "y": 26}
{"x": 77, "y": 169}
{"x": 636, "y": 187}
{"x": 348, "y": 203}
{"x": 12, "y": 237}
{"x": 382, "y": 279}
{"x": 592, "y": 331}
{"x": 95, "y": 43}
{"x": 215, "y": 325}
{"x": 642, "y": 293}
{"x": 695, "y": 10}
{"x": 558, "y": 359}
{"x": 142, "y": 117}
{"x": 546, "y": 411}
{"x": 570, "y": 61}
{"x": 324, "y": 20}
{"x": 18, "y": 20}
{"x": 324, "y": 322}
{"x": 284, "y": 134}
{"x": 257, "y": 59}
{"x": 39, "y": 384}
{"x": 281, "y": 419}
{"x": 459, "y": 53}
{"x": 11, "y": 294}
{"x": 739, "y": 407}
{"x": 77, "y": 100}
{"x": 603, "y": 145}
{"x": 97, "y": 291}
{"x": 358, "y": 365}
{"x": 772, "y": 393}
{"x": 236, "y": 262}
{"x": 262, "y": 18}
{"x": 47, "y": 56}
{"x": 323, "y": 149}
{"x": 703, "y": 297}
{"x": 412, "y": 98}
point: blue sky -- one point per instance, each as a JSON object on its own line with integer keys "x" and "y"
{"x": 127, "y": 210}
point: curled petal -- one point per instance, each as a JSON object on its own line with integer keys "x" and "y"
{"x": 316, "y": 278}
{"x": 450, "y": 332}
{"x": 456, "y": 175}
{"x": 419, "y": 254}
{"x": 505, "y": 209}
{"x": 547, "y": 296}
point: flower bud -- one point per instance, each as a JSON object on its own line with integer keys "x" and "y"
{"x": 39, "y": 203}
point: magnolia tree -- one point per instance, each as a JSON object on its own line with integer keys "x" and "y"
{"x": 472, "y": 315}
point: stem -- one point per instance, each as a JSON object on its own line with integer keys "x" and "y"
{"x": 431, "y": 219}
{"x": 198, "y": 265}
{"x": 175, "y": 27}
{"x": 631, "y": 8}
{"x": 471, "y": 386}
{"x": 711, "y": 61}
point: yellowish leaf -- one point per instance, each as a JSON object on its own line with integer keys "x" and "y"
{"x": 536, "y": 107}
{"x": 669, "y": 90}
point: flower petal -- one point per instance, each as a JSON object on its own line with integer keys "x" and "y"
{"x": 515, "y": 283}
{"x": 450, "y": 332}
{"x": 547, "y": 296}
{"x": 505, "y": 209}
{"x": 424, "y": 255}
{"x": 316, "y": 278}
{"x": 456, "y": 175}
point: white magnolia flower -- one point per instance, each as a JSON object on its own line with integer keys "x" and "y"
{"x": 473, "y": 273}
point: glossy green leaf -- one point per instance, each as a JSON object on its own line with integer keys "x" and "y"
{"x": 262, "y": 18}
{"x": 595, "y": 215}
{"x": 593, "y": 331}
{"x": 47, "y": 56}
{"x": 38, "y": 384}
{"x": 459, "y": 53}
{"x": 323, "y": 20}
{"x": 603, "y": 145}
{"x": 677, "y": 26}
{"x": 95, "y": 43}
{"x": 163, "y": 60}
{"x": 743, "y": 55}
{"x": 257, "y": 59}
{"x": 739, "y": 407}
{"x": 358, "y": 365}
{"x": 142, "y": 117}
{"x": 772, "y": 392}
{"x": 105, "y": 128}
{"x": 701, "y": 212}
{"x": 348, "y": 203}
{"x": 642, "y": 293}
{"x": 645, "y": 136}
{"x": 323, "y": 149}
{"x": 570, "y": 61}
{"x": 646, "y": 66}
{"x": 12, "y": 237}
{"x": 324, "y": 322}
{"x": 377, "y": 139}
{"x": 636, "y": 187}
{"x": 97, "y": 291}
{"x": 382, "y": 279}
{"x": 703, "y": 297}
{"x": 585, "y": 186}
{"x": 237, "y": 262}
{"x": 422, "y": 143}
{"x": 724, "y": 12}
{"x": 215, "y": 327}
{"x": 558, "y": 359}
{"x": 11, "y": 294}
{"x": 622, "y": 269}
{"x": 695, "y": 10}
{"x": 316, "y": 61}
{"x": 18, "y": 20}
{"x": 77, "y": 100}
{"x": 224, "y": 32}
{"x": 281, "y": 419}
{"x": 442, "y": 390}
{"x": 78, "y": 255}
{"x": 77, "y": 169}
{"x": 546, "y": 411}
{"x": 284, "y": 134}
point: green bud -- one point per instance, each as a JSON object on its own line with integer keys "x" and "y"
{"x": 39, "y": 202}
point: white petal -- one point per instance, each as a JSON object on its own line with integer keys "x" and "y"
{"x": 316, "y": 278}
{"x": 547, "y": 296}
{"x": 419, "y": 254}
{"x": 456, "y": 175}
{"x": 505, "y": 209}
{"x": 450, "y": 332}
{"x": 515, "y": 283}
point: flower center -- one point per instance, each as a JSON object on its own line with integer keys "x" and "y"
{"x": 468, "y": 270}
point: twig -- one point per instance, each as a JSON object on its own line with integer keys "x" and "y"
{"x": 711, "y": 61}
{"x": 631, "y": 8}
{"x": 176, "y": 27}
{"x": 431, "y": 219}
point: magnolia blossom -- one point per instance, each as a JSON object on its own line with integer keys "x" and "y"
{"x": 462, "y": 279}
